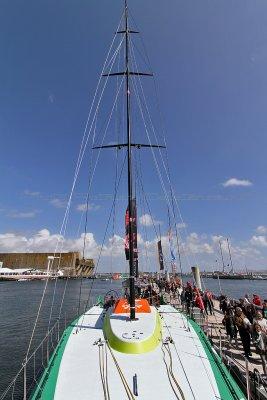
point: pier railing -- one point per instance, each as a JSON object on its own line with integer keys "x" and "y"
{"x": 251, "y": 380}
{"x": 28, "y": 376}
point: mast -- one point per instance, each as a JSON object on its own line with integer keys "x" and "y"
{"x": 129, "y": 163}
{"x": 220, "y": 243}
{"x": 230, "y": 255}
{"x": 129, "y": 144}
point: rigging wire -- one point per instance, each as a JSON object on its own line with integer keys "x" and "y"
{"x": 164, "y": 136}
{"x": 90, "y": 184}
{"x": 87, "y": 200}
{"x": 105, "y": 234}
{"x": 145, "y": 200}
{"x": 157, "y": 97}
{"x": 179, "y": 358}
{"x": 77, "y": 169}
{"x": 117, "y": 130}
{"x": 168, "y": 201}
{"x": 63, "y": 297}
{"x": 146, "y": 260}
{"x": 139, "y": 101}
{"x": 148, "y": 136}
{"x": 142, "y": 212}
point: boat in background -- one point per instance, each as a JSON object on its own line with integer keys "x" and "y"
{"x": 116, "y": 277}
{"x": 29, "y": 274}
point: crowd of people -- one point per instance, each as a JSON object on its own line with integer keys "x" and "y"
{"x": 173, "y": 291}
{"x": 248, "y": 318}
{"x": 244, "y": 317}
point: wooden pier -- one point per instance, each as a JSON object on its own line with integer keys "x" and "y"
{"x": 217, "y": 334}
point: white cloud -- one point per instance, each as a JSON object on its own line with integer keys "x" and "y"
{"x": 237, "y": 182}
{"x": 17, "y": 214}
{"x": 195, "y": 248}
{"x": 261, "y": 229}
{"x": 31, "y": 193}
{"x": 115, "y": 247}
{"x": 44, "y": 241}
{"x": 197, "y": 244}
{"x": 91, "y": 207}
{"x": 259, "y": 241}
{"x": 51, "y": 98}
{"x": 181, "y": 225}
{"x": 58, "y": 203}
{"x": 11, "y": 242}
{"x": 147, "y": 220}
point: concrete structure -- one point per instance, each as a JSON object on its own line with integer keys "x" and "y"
{"x": 69, "y": 263}
{"x": 196, "y": 275}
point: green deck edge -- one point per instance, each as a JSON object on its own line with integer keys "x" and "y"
{"x": 45, "y": 388}
{"x": 228, "y": 388}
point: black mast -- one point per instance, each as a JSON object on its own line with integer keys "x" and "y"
{"x": 129, "y": 159}
{"x": 129, "y": 145}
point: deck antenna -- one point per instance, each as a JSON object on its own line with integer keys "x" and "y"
{"x": 230, "y": 255}
{"x": 223, "y": 265}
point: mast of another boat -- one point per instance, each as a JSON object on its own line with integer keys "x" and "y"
{"x": 220, "y": 244}
{"x": 230, "y": 255}
{"x": 219, "y": 282}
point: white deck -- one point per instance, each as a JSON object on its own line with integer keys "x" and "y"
{"x": 79, "y": 374}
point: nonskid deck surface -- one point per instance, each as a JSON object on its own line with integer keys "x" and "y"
{"x": 88, "y": 364}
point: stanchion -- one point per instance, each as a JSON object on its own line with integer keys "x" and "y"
{"x": 25, "y": 380}
{"x": 57, "y": 330}
{"x": 47, "y": 350}
{"x": 247, "y": 379}
{"x": 220, "y": 342}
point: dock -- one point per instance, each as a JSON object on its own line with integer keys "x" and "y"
{"x": 247, "y": 373}
{"x": 218, "y": 336}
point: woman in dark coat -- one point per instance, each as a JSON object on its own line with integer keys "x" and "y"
{"x": 229, "y": 323}
{"x": 243, "y": 326}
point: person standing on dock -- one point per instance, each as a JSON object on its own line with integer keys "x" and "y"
{"x": 208, "y": 303}
{"x": 258, "y": 319}
{"x": 229, "y": 323}
{"x": 257, "y": 300}
{"x": 260, "y": 341}
{"x": 264, "y": 309}
{"x": 243, "y": 326}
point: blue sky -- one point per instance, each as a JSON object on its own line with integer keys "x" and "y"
{"x": 210, "y": 62}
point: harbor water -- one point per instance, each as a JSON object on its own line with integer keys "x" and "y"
{"x": 19, "y": 303}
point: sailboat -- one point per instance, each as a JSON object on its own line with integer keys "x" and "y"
{"x": 131, "y": 349}
{"x": 231, "y": 274}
